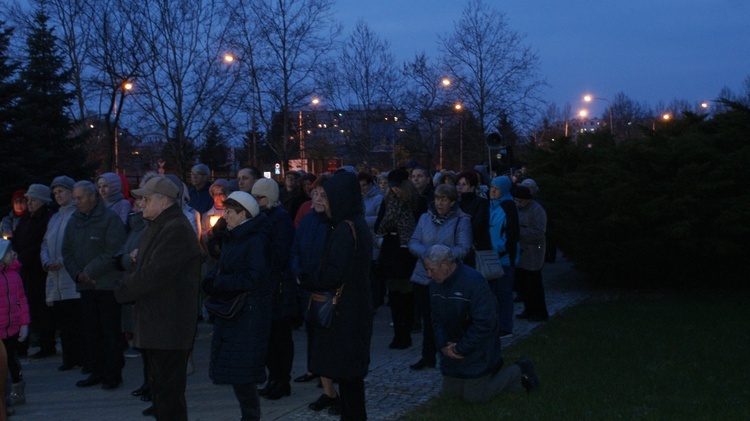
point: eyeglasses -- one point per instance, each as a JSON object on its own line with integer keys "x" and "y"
{"x": 258, "y": 197}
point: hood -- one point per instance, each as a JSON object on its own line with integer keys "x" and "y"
{"x": 344, "y": 196}
{"x": 15, "y": 266}
{"x": 115, "y": 186}
{"x": 503, "y": 183}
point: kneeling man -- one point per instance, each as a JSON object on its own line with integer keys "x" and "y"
{"x": 465, "y": 319}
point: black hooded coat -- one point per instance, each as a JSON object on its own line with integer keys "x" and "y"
{"x": 343, "y": 350}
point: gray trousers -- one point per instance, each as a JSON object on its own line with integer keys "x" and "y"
{"x": 482, "y": 389}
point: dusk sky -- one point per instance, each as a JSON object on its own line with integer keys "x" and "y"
{"x": 652, "y": 50}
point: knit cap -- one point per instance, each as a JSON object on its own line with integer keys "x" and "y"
{"x": 268, "y": 188}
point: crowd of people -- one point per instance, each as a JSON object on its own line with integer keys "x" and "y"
{"x": 102, "y": 264}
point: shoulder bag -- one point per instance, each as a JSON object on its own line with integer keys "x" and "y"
{"x": 322, "y": 304}
{"x": 228, "y": 309}
{"x": 225, "y": 308}
{"x": 487, "y": 263}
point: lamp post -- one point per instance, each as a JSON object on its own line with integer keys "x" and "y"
{"x": 446, "y": 83}
{"x": 589, "y": 98}
{"x": 124, "y": 87}
{"x": 459, "y": 107}
{"x": 229, "y": 59}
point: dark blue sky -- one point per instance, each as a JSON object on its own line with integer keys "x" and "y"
{"x": 652, "y": 50}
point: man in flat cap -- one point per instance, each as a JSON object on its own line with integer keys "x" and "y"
{"x": 163, "y": 286}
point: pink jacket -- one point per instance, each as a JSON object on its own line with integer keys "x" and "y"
{"x": 14, "y": 309}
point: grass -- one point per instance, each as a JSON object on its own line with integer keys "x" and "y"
{"x": 635, "y": 356}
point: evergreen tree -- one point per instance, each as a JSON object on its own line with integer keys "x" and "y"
{"x": 214, "y": 151}
{"x": 42, "y": 141}
{"x": 9, "y": 91}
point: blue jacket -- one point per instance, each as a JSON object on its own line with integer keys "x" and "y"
{"x": 239, "y": 347}
{"x": 504, "y": 230}
{"x": 201, "y": 200}
{"x": 455, "y": 233}
{"x": 309, "y": 245}
{"x": 464, "y": 311}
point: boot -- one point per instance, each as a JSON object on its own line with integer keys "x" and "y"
{"x": 17, "y": 394}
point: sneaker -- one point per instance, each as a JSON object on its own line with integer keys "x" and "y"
{"x": 529, "y": 380}
{"x": 505, "y": 335}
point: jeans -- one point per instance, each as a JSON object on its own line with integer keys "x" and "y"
{"x": 503, "y": 289}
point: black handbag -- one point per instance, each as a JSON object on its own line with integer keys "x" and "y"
{"x": 322, "y": 306}
{"x": 228, "y": 309}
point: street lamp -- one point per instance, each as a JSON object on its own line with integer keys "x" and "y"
{"x": 229, "y": 59}
{"x": 589, "y": 98}
{"x": 458, "y": 107}
{"x": 446, "y": 83}
{"x": 125, "y": 86}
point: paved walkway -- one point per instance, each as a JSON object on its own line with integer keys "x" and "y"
{"x": 392, "y": 389}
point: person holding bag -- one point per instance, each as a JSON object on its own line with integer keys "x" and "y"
{"x": 239, "y": 344}
{"x": 342, "y": 351}
{"x": 396, "y": 221}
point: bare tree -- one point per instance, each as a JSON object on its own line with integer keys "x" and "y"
{"x": 628, "y": 115}
{"x": 116, "y": 58}
{"x": 494, "y": 71}
{"x": 185, "y": 85}
{"x": 364, "y": 79}
{"x": 421, "y": 98}
{"x": 75, "y": 27}
{"x": 296, "y": 37}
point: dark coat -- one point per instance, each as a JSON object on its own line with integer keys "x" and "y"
{"x": 239, "y": 347}
{"x": 284, "y": 305}
{"x": 27, "y": 242}
{"x": 478, "y": 208}
{"x": 164, "y": 283}
{"x": 464, "y": 311}
{"x": 201, "y": 200}
{"x": 343, "y": 350}
{"x": 90, "y": 243}
{"x": 309, "y": 245}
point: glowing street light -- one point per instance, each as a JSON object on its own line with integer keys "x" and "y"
{"x": 666, "y": 117}
{"x": 458, "y": 107}
{"x": 228, "y": 58}
{"x": 446, "y": 83}
{"x": 126, "y": 86}
{"x": 583, "y": 113}
{"x": 589, "y": 98}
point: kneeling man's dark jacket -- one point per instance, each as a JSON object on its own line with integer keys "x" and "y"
{"x": 464, "y": 311}
{"x": 164, "y": 283}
